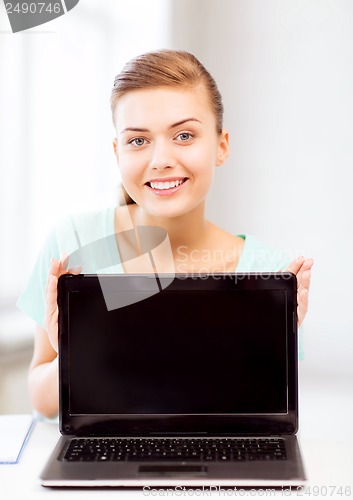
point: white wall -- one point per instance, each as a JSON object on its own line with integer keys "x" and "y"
{"x": 285, "y": 69}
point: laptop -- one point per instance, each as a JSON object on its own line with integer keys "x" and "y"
{"x": 183, "y": 380}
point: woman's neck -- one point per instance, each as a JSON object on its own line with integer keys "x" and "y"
{"x": 193, "y": 243}
{"x": 189, "y": 230}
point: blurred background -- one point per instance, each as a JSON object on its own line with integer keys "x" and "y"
{"x": 285, "y": 70}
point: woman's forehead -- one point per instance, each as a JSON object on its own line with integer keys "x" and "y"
{"x": 172, "y": 103}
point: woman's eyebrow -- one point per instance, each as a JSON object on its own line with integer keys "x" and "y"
{"x": 177, "y": 124}
{"x": 184, "y": 121}
{"x": 134, "y": 129}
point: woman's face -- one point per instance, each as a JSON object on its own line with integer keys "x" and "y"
{"x": 167, "y": 148}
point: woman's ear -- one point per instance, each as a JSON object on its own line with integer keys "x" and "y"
{"x": 223, "y": 148}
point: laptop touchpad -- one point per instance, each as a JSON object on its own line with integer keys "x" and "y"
{"x": 173, "y": 470}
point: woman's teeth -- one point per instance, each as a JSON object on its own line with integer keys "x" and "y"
{"x": 166, "y": 185}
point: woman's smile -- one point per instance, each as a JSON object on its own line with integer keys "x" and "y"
{"x": 166, "y": 186}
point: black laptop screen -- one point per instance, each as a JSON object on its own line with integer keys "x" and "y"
{"x": 179, "y": 353}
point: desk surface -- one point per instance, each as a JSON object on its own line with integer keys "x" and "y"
{"x": 326, "y": 409}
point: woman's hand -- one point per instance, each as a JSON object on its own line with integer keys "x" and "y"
{"x": 57, "y": 269}
{"x": 301, "y": 267}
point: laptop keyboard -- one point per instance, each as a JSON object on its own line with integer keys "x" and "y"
{"x": 158, "y": 449}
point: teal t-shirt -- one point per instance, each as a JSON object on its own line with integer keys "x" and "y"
{"x": 90, "y": 241}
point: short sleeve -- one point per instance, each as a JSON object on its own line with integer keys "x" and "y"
{"x": 88, "y": 239}
{"x": 260, "y": 257}
{"x": 32, "y": 299}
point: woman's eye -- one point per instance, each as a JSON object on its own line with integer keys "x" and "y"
{"x": 139, "y": 141}
{"x": 185, "y": 136}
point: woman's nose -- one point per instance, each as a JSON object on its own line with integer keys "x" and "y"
{"x": 162, "y": 156}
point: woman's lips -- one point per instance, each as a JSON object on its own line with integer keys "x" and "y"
{"x": 166, "y": 187}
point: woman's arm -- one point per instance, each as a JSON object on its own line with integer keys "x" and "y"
{"x": 43, "y": 371}
{"x": 43, "y": 376}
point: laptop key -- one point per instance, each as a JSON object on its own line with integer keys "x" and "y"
{"x": 111, "y": 449}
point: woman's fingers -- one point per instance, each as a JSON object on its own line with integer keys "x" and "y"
{"x": 295, "y": 266}
{"x": 57, "y": 268}
{"x": 53, "y": 271}
{"x": 75, "y": 270}
{"x": 305, "y": 279}
{"x": 301, "y": 267}
{"x": 51, "y": 313}
{"x": 303, "y": 299}
{"x": 304, "y": 275}
{"x": 63, "y": 263}
{"x": 305, "y": 267}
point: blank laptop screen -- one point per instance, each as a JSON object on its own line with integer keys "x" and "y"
{"x": 179, "y": 352}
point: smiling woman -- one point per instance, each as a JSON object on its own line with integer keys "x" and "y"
{"x": 170, "y": 139}
{"x": 170, "y": 147}
{"x": 167, "y": 70}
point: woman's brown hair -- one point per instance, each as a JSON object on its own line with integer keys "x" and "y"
{"x": 166, "y": 68}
